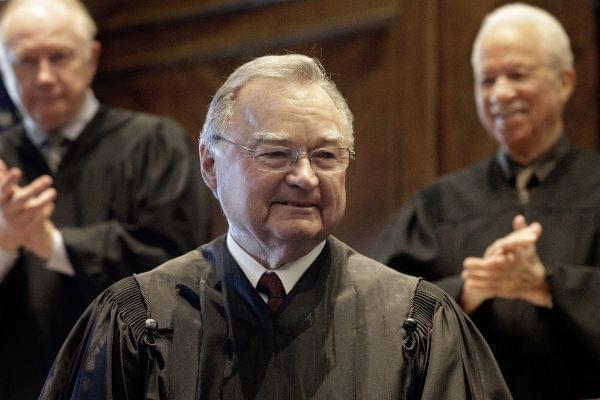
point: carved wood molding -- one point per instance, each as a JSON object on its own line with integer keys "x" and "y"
{"x": 241, "y": 36}
{"x": 152, "y": 14}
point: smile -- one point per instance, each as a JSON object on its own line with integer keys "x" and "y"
{"x": 507, "y": 113}
{"x": 296, "y": 204}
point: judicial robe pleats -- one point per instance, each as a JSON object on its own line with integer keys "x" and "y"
{"x": 339, "y": 335}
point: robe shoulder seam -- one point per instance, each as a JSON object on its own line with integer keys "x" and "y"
{"x": 130, "y": 305}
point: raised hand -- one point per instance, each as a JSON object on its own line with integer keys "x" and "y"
{"x": 510, "y": 268}
{"x": 25, "y": 212}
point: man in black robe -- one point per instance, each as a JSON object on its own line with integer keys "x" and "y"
{"x": 116, "y": 193}
{"x": 277, "y": 308}
{"x": 533, "y": 295}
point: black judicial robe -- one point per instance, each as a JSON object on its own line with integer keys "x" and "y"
{"x": 130, "y": 196}
{"x": 339, "y": 335}
{"x": 543, "y": 353}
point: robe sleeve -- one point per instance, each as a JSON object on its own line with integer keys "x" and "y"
{"x": 104, "y": 356}
{"x": 411, "y": 245}
{"x": 160, "y": 210}
{"x": 575, "y": 292}
{"x": 460, "y": 363}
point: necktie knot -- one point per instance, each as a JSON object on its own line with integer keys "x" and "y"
{"x": 55, "y": 148}
{"x": 522, "y": 181}
{"x": 270, "y": 284}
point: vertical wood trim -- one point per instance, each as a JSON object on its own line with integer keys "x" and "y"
{"x": 432, "y": 43}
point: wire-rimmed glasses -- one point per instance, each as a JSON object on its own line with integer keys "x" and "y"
{"x": 273, "y": 158}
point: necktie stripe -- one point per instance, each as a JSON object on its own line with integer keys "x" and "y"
{"x": 271, "y": 286}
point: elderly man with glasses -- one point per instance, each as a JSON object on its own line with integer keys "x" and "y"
{"x": 277, "y": 308}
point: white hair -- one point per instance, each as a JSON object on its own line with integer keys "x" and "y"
{"x": 554, "y": 41}
{"x": 290, "y": 67}
{"x": 83, "y": 24}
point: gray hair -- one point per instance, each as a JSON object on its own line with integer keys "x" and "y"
{"x": 554, "y": 41}
{"x": 290, "y": 67}
{"x": 83, "y": 24}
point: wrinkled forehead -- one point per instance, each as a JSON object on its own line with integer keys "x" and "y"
{"x": 275, "y": 110}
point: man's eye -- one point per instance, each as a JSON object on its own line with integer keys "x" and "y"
{"x": 518, "y": 76}
{"x": 274, "y": 154}
{"x": 25, "y": 61}
{"x": 59, "y": 58}
{"x": 486, "y": 82}
{"x": 324, "y": 154}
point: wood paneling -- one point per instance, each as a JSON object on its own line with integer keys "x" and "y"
{"x": 403, "y": 66}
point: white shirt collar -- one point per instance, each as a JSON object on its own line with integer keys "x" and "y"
{"x": 289, "y": 273}
{"x": 72, "y": 130}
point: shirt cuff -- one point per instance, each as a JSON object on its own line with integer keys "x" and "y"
{"x": 59, "y": 260}
{"x": 7, "y": 262}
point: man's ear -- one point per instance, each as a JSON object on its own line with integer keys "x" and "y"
{"x": 208, "y": 168}
{"x": 567, "y": 77}
{"x": 95, "y": 51}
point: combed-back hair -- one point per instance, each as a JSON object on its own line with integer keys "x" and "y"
{"x": 289, "y": 68}
{"x": 554, "y": 41}
{"x": 83, "y": 24}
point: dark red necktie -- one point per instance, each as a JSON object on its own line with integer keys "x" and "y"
{"x": 271, "y": 285}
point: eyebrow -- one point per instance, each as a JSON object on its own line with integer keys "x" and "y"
{"x": 330, "y": 137}
{"x": 269, "y": 136}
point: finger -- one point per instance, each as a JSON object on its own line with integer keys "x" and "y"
{"x": 515, "y": 240}
{"x": 519, "y": 222}
{"x": 37, "y": 219}
{"x": 24, "y": 194}
{"x": 25, "y": 222}
{"x": 48, "y": 195}
{"x": 486, "y": 287}
{"x": 484, "y": 275}
{"x": 536, "y": 227}
{"x": 48, "y": 210}
{"x": 9, "y": 184}
{"x": 484, "y": 263}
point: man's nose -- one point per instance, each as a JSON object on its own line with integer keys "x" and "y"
{"x": 503, "y": 89}
{"x": 45, "y": 71}
{"x": 302, "y": 173}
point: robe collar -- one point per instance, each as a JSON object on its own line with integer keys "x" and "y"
{"x": 542, "y": 166}
{"x": 72, "y": 130}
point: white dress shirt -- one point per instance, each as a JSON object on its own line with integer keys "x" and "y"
{"x": 289, "y": 273}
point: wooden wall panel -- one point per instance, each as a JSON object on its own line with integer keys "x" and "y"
{"x": 402, "y": 64}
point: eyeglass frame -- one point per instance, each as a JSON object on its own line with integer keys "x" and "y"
{"x": 252, "y": 151}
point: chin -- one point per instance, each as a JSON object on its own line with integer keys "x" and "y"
{"x": 298, "y": 232}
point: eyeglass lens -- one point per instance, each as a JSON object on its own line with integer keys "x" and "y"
{"x": 279, "y": 158}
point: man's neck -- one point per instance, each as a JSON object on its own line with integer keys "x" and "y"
{"x": 72, "y": 129}
{"x": 289, "y": 273}
{"x": 528, "y": 154}
{"x": 275, "y": 255}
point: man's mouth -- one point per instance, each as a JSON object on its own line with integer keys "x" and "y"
{"x": 508, "y": 112}
{"x": 301, "y": 204}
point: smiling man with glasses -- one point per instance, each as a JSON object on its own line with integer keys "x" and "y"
{"x": 277, "y": 308}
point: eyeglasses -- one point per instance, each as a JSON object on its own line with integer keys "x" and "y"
{"x": 281, "y": 158}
